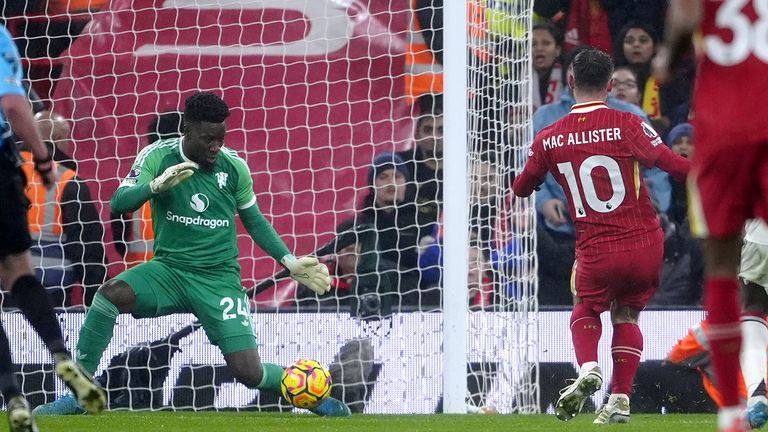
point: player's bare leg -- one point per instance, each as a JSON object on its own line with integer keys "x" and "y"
{"x": 586, "y": 330}
{"x": 247, "y": 368}
{"x": 626, "y": 349}
{"x": 722, "y": 259}
{"x": 753, "y": 351}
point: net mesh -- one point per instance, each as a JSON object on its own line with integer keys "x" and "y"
{"x": 322, "y": 93}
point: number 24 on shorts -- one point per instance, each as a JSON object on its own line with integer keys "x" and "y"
{"x": 228, "y": 303}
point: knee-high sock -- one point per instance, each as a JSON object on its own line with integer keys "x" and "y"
{"x": 626, "y": 349}
{"x": 8, "y": 384}
{"x": 754, "y": 332}
{"x": 724, "y": 334}
{"x": 96, "y": 332}
{"x": 586, "y": 330}
{"x": 271, "y": 379}
{"x": 33, "y": 301}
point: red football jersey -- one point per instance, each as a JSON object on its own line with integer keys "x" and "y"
{"x": 731, "y": 88}
{"x": 593, "y": 153}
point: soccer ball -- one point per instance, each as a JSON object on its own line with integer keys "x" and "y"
{"x": 306, "y": 383}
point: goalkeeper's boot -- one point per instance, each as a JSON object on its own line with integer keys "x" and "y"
{"x": 572, "y": 398}
{"x": 20, "y": 417}
{"x": 90, "y": 395}
{"x": 332, "y": 407}
{"x": 65, "y": 405}
{"x": 757, "y": 411}
{"x": 615, "y": 411}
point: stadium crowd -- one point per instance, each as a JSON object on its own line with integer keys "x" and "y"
{"x": 400, "y": 214}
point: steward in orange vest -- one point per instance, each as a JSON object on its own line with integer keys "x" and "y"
{"x": 67, "y": 235}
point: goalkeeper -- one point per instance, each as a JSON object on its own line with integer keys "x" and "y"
{"x": 195, "y": 186}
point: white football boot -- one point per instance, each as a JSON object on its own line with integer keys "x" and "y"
{"x": 615, "y": 411}
{"x": 572, "y": 398}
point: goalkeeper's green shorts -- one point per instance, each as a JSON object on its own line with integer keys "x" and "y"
{"x": 214, "y": 296}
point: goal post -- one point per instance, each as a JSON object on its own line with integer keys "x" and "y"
{"x": 317, "y": 91}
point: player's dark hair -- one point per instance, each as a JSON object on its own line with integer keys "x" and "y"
{"x": 168, "y": 124}
{"x": 568, "y": 59}
{"x": 205, "y": 107}
{"x": 592, "y": 69}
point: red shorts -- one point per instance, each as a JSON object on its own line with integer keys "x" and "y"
{"x": 629, "y": 277}
{"x": 727, "y": 186}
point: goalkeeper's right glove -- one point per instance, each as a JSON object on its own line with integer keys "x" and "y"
{"x": 172, "y": 176}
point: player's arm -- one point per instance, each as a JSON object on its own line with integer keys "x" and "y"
{"x": 18, "y": 111}
{"x": 683, "y": 17}
{"x": 306, "y": 270}
{"x": 143, "y": 182}
{"x": 647, "y": 147}
{"x": 534, "y": 172}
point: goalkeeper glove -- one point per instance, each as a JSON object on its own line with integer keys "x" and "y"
{"x": 172, "y": 176}
{"x": 309, "y": 272}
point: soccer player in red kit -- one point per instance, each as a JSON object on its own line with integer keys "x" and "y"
{"x": 729, "y": 177}
{"x": 594, "y": 153}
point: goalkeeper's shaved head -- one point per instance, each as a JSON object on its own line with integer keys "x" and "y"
{"x": 205, "y": 107}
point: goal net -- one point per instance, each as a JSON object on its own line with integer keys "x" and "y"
{"x": 321, "y": 93}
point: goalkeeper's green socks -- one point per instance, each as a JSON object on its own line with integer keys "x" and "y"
{"x": 96, "y": 333}
{"x": 271, "y": 379}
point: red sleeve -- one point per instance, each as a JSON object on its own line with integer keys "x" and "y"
{"x": 534, "y": 172}
{"x": 676, "y": 165}
{"x": 644, "y": 142}
{"x": 647, "y": 147}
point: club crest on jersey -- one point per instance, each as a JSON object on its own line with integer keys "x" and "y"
{"x": 649, "y": 131}
{"x": 221, "y": 177}
{"x": 199, "y": 202}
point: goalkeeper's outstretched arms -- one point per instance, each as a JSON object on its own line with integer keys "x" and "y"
{"x": 308, "y": 271}
{"x": 141, "y": 185}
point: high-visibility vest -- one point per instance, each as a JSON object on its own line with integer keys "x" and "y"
{"x": 62, "y": 7}
{"x": 45, "y": 225}
{"x": 142, "y": 237}
{"x": 423, "y": 74}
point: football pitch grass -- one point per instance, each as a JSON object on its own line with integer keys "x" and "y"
{"x": 242, "y": 421}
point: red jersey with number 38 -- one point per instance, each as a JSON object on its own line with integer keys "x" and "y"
{"x": 595, "y": 153}
{"x": 731, "y": 97}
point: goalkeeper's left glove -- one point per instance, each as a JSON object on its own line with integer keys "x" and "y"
{"x": 309, "y": 272}
{"x": 172, "y": 176}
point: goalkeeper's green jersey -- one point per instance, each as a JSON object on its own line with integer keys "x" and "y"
{"x": 194, "y": 221}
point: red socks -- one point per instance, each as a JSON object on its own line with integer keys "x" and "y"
{"x": 586, "y": 329}
{"x": 724, "y": 334}
{"x": 626, "y": 349}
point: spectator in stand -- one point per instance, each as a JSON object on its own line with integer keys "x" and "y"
{"x": 625, "y": 87}
{"x": 682, "y": 274}
{"x": 680, "y": 140}
{"x": 547, "y": 71}
{"x": 67, "y": 235}
{"x": 636, "y": 47}
{"x": 132, "y": 232}
{"x": 424, "y": 162}
{"x": 397, "y": 224}
{"x": 481, "y": 290}
{"x": 587, "y": 23}
{"x": 557, "y": 252}
{"x": 342, "y": 266}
